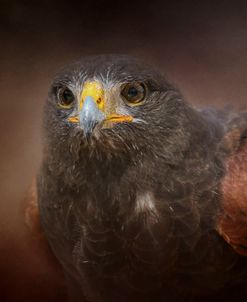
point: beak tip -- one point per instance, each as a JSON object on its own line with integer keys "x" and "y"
{"x": 90, "y": 115}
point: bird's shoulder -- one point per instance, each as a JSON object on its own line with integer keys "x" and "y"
{"x": 232, "y": 223}
{"x": 31, "y": 210}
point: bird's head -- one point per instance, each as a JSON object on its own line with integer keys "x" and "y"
{"x": 117, "y": 103}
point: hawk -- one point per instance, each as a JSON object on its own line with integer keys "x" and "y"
{"x": 141, "y": 196}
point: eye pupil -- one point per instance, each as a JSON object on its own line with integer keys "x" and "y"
{"x": 133, "y": 93}
{"x": 66, "y": 98}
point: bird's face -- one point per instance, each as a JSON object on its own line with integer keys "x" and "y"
{"x": 112, "y": 101}
{"x": 100, "y": 95}
{"x": 101, "y": 104}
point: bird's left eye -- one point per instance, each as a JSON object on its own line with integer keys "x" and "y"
{"x": 66, "y": 98}
{"x": 134, "y": 93}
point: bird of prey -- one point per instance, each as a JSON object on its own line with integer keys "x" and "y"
{"x": 141, "y": 196}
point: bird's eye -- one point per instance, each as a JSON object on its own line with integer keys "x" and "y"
{"x": 65, "y": 98}
{"x": 134, "y": 93}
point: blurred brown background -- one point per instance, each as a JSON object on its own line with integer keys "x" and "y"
{"x": 199, "y": 46}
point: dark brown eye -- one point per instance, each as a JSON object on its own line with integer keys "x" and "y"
{"x": 134, "y": 93}
{"x": 66, "y": 98}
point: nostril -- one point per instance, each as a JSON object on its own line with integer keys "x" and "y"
{"x": 99, "y": 100}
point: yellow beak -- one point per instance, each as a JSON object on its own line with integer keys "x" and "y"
{"x": 92, "y": 108}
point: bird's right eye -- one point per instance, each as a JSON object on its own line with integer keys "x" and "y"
{"x": 65, "y": 98}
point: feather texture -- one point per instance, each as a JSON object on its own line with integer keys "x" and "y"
{"x": 132, "y": 212}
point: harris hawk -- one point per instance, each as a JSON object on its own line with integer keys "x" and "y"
{"x": 141, "y": 196}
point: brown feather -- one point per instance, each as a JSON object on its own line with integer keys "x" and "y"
{"x": 233, "y": 220}
{"x": 31, "y": 210}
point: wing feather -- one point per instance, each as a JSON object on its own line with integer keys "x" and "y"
{"x": 232, "y": 224}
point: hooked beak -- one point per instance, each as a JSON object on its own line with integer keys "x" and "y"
{"x": 91, "y": 109}
{"x": 90, "y": 115}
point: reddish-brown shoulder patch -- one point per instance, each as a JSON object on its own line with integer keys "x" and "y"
{"x": 232, "y": 223}
{"x": 31, "y": 210}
